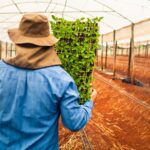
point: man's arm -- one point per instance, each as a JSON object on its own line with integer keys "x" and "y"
{"x": 74, "y": 116}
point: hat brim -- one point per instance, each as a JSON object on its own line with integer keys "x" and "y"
{"x": 16, "y": 37}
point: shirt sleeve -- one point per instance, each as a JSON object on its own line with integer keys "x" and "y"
{"x": 74, "y": 116}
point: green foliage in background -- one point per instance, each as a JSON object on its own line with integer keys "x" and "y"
{"x": 76, "y": 49}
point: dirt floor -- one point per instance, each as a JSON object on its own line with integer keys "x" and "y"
{"x": 120, "y": 119}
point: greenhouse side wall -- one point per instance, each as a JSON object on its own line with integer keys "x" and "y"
{"x": 7, "y": 50}
{"x": 141, "y": 61}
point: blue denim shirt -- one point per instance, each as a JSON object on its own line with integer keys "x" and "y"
{"x": 31, "y": 102}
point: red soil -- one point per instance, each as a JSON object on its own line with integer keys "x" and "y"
{"x": 118, "y": 122}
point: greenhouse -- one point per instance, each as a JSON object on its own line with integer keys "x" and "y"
{"x": 75, "y": 74}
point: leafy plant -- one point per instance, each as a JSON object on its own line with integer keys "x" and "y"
{"x": 76, "y": 49}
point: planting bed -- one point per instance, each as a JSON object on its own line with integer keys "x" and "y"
{"x": 142, "y": 67}
{"x": 120, "y": 120}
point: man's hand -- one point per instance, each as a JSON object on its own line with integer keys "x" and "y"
{"x": 94, "y": 94}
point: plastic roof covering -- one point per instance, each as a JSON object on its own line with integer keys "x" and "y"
{"x": 116, "y": 13}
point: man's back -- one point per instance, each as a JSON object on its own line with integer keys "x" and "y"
{"x": 30, "y": 104}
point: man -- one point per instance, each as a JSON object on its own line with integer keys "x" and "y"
{"x": 35, "y": 91}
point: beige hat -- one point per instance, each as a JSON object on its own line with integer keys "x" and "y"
{"x": 34, "y": 29}
{"x": 34, "y": 43}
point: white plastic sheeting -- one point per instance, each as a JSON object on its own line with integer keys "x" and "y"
{"x": 116, "y": 13}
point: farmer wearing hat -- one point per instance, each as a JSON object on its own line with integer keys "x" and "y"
{"x": 35, "y": 90}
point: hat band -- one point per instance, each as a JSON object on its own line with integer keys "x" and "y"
{"x": 35, "y": 35}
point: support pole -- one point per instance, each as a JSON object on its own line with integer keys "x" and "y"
{"x": 129, "y": 61}
{"x": 139, "y": 50}
{"x": 102, "y": 53}
{"x": 15, "y": 49}
{"x": 127, "y": 50}
{"x": 131, "y": 56}
{"x": 121, "y": 49}
{"x": 114, "y": 53}
{"x": 97, "y": 64}
{"x": 11, "y": 50}
{"x": 106, "y": 55}
{"x": 146, "y": 49}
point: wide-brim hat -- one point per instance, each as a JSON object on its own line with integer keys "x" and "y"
{"x": 33, "y": 29}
